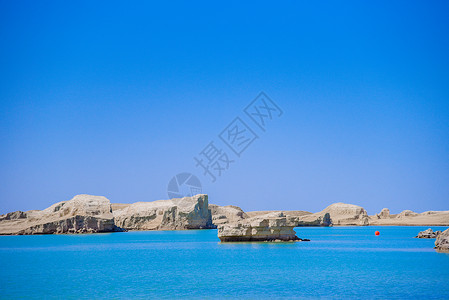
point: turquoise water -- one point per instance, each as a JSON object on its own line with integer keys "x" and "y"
{"x": 339, "y": 262}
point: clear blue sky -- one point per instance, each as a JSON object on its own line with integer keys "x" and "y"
{"x": 113, "y": 98}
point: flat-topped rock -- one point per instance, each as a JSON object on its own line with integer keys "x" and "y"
{"x": 174, "y": 214}
{"x": 269, "y": 227}
{"x": 81, "y": 214}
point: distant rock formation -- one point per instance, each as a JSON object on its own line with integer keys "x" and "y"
{"x": 428, "y": 234}
{"x": 442, "y": 241}
{"x": 287, "y": 213}
{"x": 339, "y": 214}
{"x": 175, "y": 214}
{"x": 269, "y": 227}
{"x": 406, "y": 213}
{"x": 86, "y": 213}
{"x": 226, "y": 214}
{"x": 384, "y": 214}
{"x": 410, "y": 218}
{"x": 335, "y": 214}
{"x": 82, "y": 214}
{"x": 315, "y": 220}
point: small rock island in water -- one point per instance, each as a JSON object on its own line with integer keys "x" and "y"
{"x": 274, "y": 227}
{"x": 428, "y": 234}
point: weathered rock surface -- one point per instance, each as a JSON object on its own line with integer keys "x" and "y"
{"x": 226, "y": 214}
{"x": 304, "y": 218}
{"x": 117, "y": 206}
{"x": 428, "y": 234}
{"x": 82, "y": 214}
{"x": 288, "y": 213}
{"x": 442, "y": 241}
{"x": 339, "y": 214}
{"x": 406, "y": 213}
{"x": 175, "y": 214}
{"x": 269, "y": 227}
{"x": 85, "y": 213}
{"x": 410, "y": 218}
{"x": 364, "y": 221}
{"x": 334, "y": 214}
{"x": 384, "y": 214}
{"x": 353, "y": 215}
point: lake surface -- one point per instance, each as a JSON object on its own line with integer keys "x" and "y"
{"x": 339, "y": 262}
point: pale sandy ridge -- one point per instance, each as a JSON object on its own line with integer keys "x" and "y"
{"x": 81, "y": 214}
{"x": 342, "y": 214}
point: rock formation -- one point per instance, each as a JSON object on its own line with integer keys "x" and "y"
{"x": 428, "y": 234}
{"x": 85, "y": 213}
{"x": 384, "y": 214}
{"x": 82, "y": 214}
{"x": 226, "y": 214}
{"x": 269, "y": 227}
{"x": 406, "y": 213}
{"x": 175, "y": 214}
{"x": 364, "y": 221}
{"x": 410, "y": 218}
{"x": 326, "y": 221}
{"x": 339, "y": 214}
{"x": 342, "y": 214}
{"x": 287, "y": 213}
{"x": 442, "y": 241}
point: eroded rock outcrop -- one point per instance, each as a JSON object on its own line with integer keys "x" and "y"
{"x": 442, "y": 241}
{"x": 269, "y": 227}
{"x": 175, "y": 214}
{"x": 410, "y": 218}
{"x": 226, "y": 214}
{"x": 384, "y": 214}
{"x": 406, "y": 213}
{"x": 339, "y": 214}
{"x": 81, "y": 214}
{"x": 364, "y": 221}
{"x": 428, "y": 234}
{"x": 287, "y": 213}
{"x": 326, "y": 221}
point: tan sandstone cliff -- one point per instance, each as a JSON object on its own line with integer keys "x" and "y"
{"x": 342, "y": 214}
{"x": 175, "y": 214}
{"x": 410, "y": 218}
{"x": 81, "y": 214}
{"x": 334, "y": 214}
{"x": 339, "y": 213}
{"x": 86, "y": 213}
